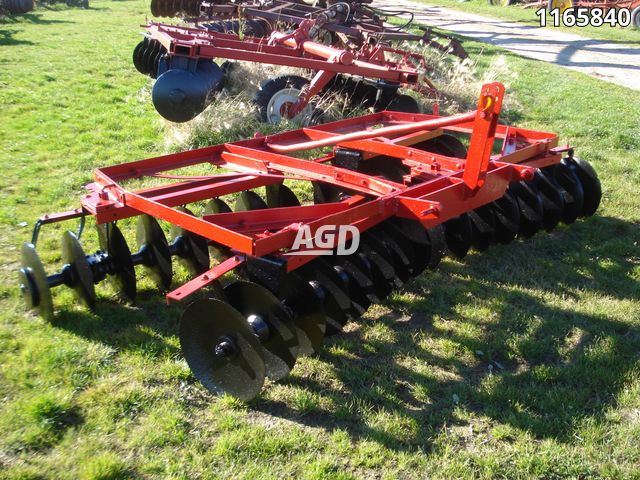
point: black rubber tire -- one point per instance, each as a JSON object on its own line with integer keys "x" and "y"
{"x": 272, "y": 86}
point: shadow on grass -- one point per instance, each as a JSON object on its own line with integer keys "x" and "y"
{"x": 144, "y": 326}
{"x": 6, "y": 38}
{"x": 33, "y": 17}
{"x": 541, "y": 367}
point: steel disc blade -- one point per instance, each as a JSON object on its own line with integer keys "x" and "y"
{"x": 403, "y": 103}
{"x": 382, "y": 273}
{"x": 157, "y": 256}
{"x": 138, "y": 59}
{"x": 249, "y": 200}
{"x": 279, "y": 195}
{"x": 33, "y": 283}
{"x": 590, "y": 185}
{"x": 438, "y": 245}
{"x": 507, "y": 218}
{"x": 336, "y": 302}
{"x": 444, "y": 144}
{"x": 308, "y": 313}
{"x": 552, "y": 201}
{"x": 155, "y": 8}
{"x": 415, "y": 233}
{"x": 221, "y": 350}
{"x": 483, "y": 221}
{"x": 457, "y": 233}
{"x": 373, "y": 243}
{"x": 530, "y": 205}
{"x": 194, "y": 252}
{"x": 329, "y": 275}
{"x": 571, "y": 189}
{"x": 360, "y": 268}
{"x": 324, "y": 193}
{"x": 280, "y": 345}
{"x": 400, "y": 253}
{"x": 73, "y": 254}
{"x": 357, "y": 281}
{"x": 214, "y": 206}
{"x": 114, "y": 244}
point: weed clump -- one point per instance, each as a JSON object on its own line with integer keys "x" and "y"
{"x": 232, "y": 115}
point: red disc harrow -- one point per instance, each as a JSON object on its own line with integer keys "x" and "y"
{"x": 397, "y": 189}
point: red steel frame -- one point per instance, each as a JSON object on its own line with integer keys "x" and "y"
{"x": 295, "y": 49}
{"x": 437, "y": 187}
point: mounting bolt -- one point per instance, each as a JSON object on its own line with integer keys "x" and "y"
{"x": 527, "y": 174}
{"x": 225, "y": 348}
{"x": 433, "y": 210}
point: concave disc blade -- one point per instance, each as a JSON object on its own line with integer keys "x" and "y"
{"x": 324, "y": 193}
{"x": 331, "y": 277}
{"x": 152, "y": 240}
{"x": 249, "y": 200}
{"x": 357, "y": 284}
{"x": 280, "y": 347}
{"x": 382, "y": 273}
{"x": 376, "y": 245}
{"x": 457, "y": 232}
{"x": 336, "y": 302}
{"x": 483, "y": 221}
{"x": 438, "y": 245}
{"x": 137, "y": 57}
{"x": 73, "y": 254}
{"x": 279, "y": 195}
{"x": 214, "y": 206}
{"x": 308, "y": 312}
{"x": 415, "y": 233}
{"x": 530, "y": 204}
{"x": 205, "y": 325}
{"x": 590, "y": 185}
{"x": 552, "y": 201}
{"x": 114, "y": 244}
{"x": 33, "y": 283}
{"x": 155, "y": 9}
{"x": 444, "y": 144}
{"x": 507, "y": 218}
{"x": 359, "y": 268}
{"x": 194, "y": 252}
{"x": 400, "y": 252}
{"x": 571, "y": 189}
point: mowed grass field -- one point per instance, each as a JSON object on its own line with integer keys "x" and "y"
{"x": 521, "y": 362}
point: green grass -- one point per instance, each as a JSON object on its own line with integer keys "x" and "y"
{"x": 522, "y": 362}
{"x": 528, "y": 16}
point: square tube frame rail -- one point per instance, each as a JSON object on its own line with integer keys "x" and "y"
{"x": 437, "y": 188}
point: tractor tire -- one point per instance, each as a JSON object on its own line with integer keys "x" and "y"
{"x": 275, "y": 93}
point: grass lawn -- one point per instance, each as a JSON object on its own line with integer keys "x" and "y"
{"x": 528, "y": 16}
{"x": 521, "y": 362}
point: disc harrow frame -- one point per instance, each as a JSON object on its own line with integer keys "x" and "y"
{"x": 405, "y": 182}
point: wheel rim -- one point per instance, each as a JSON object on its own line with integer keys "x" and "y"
{"x": 279, "y": 104}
